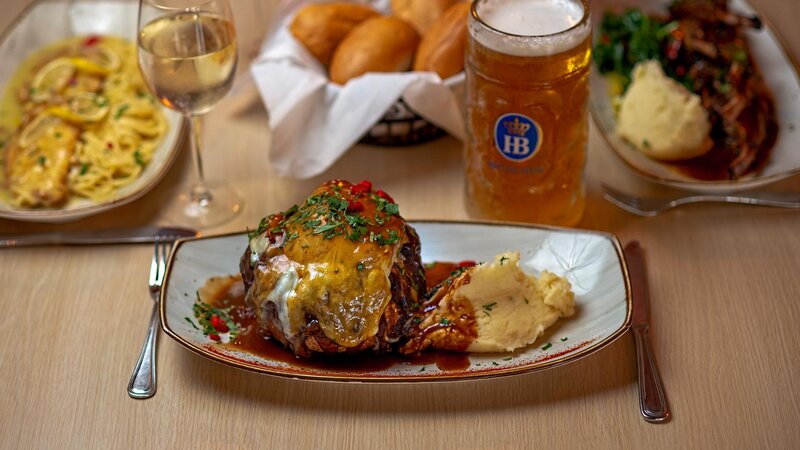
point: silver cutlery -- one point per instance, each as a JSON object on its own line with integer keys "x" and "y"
{"x": 652, "y": 400}
{"x": 649, "y": 207}
{"x": 117, "y": 236}
{"x": 143, "y": 379}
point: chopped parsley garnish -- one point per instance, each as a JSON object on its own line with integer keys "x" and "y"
{"x": 84, "y": 169}
{"x": 526, "y": 300}
{"x": 646, "y": 143}
{"x": 444, "y": 321}
{"x": 213, "y": 321}
{"x": 41, "y": 161}
{"x": 121, "y": 110}
{"x": 360, "y": 266}
{"x": 547, "y": 346}
{"x": 137, "y": 156}
{"x": 57, "y": 135}
{"x": 503, "y": 260}
{"x": 489, "y": 306}
{"x": 508, "y": 359}
{"x": 563, "y": 339}
{"x": 391, "y": 208}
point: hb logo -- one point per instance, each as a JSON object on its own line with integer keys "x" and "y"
{"x": 517, "y": 137}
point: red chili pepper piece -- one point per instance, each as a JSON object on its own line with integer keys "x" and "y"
{"x": 384, "y": 195}
{"x": 91, "y": 41}
{"x": 467, "y": 263}
{"x": 355, "y": 207}
{"x": 109, "y": 145}
{"x": 219, "y": 324}
{"x": 363, "y": 187}
{"x": 214, "y": 337}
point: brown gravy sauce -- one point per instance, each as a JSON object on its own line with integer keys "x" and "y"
{"x": 251, "y": 339}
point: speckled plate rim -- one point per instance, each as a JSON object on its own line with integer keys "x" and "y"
{"x": 584, "y": 350}
{"x": 91, "y": 208}
{"x": 680, "y": 181}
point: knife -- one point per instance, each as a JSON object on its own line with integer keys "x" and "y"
{"x": 652, "y": 401}
{"x": 116, "y": 236}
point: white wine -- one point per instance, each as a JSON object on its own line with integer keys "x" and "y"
{"x": 188, "y": 60}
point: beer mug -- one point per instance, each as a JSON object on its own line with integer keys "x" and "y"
{"x": 527, "y": 72}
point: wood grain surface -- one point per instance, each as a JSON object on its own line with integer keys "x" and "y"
{"x": 725, "y": 305}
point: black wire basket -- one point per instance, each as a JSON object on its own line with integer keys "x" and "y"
{"x": 401, "y": 126}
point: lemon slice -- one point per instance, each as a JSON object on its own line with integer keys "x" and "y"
{"x": 36, "y": 129}
{"x": 99, "y": 62}
{"x": 83, "y": 108}
{"x": 52, "y": 78}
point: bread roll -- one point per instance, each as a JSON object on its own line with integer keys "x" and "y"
{"x": 320, "y": 27}
{"x": 420, "y": 13}
{"x": 443, "y": 46}
{"x": 380, "y": 44}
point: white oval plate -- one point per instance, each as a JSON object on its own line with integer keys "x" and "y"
{"x": 47, "y": 21}
{"x": 780, "y": 75}
{"x": 592, "y": 262}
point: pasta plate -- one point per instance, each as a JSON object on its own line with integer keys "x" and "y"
{"x": 49, "y": 21}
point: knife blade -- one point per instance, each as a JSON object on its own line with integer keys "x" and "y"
{"x": 116, "y": 236}
{"x": 652, "y": 400}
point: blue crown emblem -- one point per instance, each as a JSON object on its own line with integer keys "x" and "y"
{"x": 517, "y": 137}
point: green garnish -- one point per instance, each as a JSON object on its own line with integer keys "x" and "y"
{"x": 508, "y": 359}
{"x": 84, "y": 169}
{"x": 628, "y": 39}
{"x": 360, "y": 267}
{"x": 563, "y": 339}
{"x": 121, "y": 110}
{"x": 137, "y": 156}
{"x": 41, "y": 161}
{"x": 547, "y": 346}
{"x": 489, "y": 306}
{"x": 503, "y": 259}
{"x": 526, "y": 300}
{"x": 444, "y": 321}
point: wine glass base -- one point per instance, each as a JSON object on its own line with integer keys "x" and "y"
{"x": 224, "y": 205}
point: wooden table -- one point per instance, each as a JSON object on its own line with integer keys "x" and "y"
{"x": 725, "y": 299}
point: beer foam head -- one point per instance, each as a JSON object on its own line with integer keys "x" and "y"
{"x": 529, "y": 27}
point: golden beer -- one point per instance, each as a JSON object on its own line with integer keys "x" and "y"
{"x": 527, "y": 70}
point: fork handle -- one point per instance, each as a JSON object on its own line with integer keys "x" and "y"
{"x": 652, "y": 401}
{"x": 143, "y": 378}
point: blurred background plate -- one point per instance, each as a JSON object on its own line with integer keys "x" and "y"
{"x": 780, "y": 74}
{"x": 48, "y": 21}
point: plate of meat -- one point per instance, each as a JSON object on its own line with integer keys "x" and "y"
{"x": 341, "y": 288}
{"x": 695, "y": 94}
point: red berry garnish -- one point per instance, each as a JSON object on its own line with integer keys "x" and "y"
{"x": 219, "y": 324}
{"x": 363, "y": 187}
{"x": 214, "y": 337}
{"x": 355, "y": 207}
{"x": 91, "y": 41}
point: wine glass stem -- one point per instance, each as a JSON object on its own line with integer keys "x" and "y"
{"x": 200, "y": 194}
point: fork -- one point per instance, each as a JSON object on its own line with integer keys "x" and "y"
{"x": 143, "y": 379}
{"x": 649, "y": 207}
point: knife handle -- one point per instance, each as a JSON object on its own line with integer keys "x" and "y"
{"x": 652, "y": 401}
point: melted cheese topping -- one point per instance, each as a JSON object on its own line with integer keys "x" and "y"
{"x": 340, "y": 279}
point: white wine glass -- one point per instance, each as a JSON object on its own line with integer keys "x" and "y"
{"x": 187, "y": 56}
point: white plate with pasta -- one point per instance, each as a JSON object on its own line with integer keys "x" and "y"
{"x": 79, "y": 131}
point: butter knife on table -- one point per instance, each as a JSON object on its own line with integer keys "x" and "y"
{"x": 116, "y": 236}
{"x": 652, "y": 400}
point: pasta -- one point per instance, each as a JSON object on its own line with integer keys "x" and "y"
{"x": 91, "y": 85}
